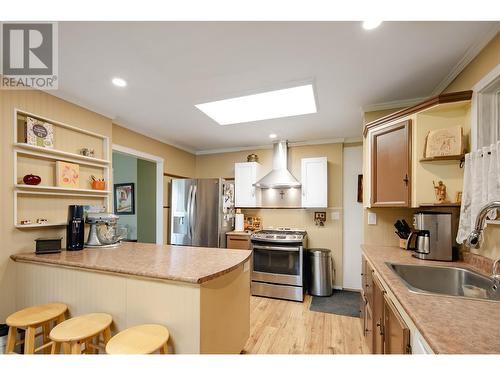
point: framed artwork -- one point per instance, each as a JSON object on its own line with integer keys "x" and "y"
{"x": 444, "y": 142}
{"x": 360, "y": 188}
{"x": 67, "y": 174}
{"x": 38, "y": 133}
{"x": 124, "y": 198}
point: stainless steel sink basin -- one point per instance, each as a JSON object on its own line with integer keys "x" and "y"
{"x": 450, "y": 281}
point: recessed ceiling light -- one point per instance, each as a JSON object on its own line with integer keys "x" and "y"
{"x": 120, "y": 82}
{"x": 370, "y": 25}
{"x": 272, "y": 135}
{"x": 293, "y": 101}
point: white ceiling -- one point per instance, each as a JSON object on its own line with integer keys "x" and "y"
{"x": 171, "y": 66}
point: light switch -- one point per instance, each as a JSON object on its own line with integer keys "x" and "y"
{"x": 335, "y": 215}
{"x": 372, "y": 218}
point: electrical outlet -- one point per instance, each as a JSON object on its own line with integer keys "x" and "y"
{"x": 320, "y": 218}
{"x": 372, "y": 218}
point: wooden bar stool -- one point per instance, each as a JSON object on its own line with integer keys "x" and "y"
{"x": 30, "y": 319}
{"x": 143, "y": 339}
{"x": 82, "y": 330}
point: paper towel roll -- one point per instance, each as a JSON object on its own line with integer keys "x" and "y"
{"x": 239, "y": 222}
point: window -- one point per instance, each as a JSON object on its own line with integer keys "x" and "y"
{"x": 485, "y": 110}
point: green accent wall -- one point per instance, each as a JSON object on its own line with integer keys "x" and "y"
{"x": 146, "y": 201}
{"x": 125, "y": 171}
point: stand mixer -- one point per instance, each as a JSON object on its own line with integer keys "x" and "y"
{"x": 103, "y": 230}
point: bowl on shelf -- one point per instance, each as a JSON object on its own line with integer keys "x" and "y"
{"x": 99, "y": 185}
{"x": 31, "y": 179}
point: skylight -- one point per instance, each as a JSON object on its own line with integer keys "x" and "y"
{"x": 292, "y": 101}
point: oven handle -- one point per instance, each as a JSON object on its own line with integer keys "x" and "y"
{"x": 279, "y": 248}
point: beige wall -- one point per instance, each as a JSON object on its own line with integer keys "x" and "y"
{"x": 329, "y": 236}
{"x": 483, "y": 63}
{"x": 176, "y": 161}
{"x": 383, "y": 232}
{"x": 15, "y": 240}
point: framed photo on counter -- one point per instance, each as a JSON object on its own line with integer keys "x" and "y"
{"x": 124, "y": 196}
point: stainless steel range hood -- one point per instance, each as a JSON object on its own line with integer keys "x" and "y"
{"x": 279, "y": 177}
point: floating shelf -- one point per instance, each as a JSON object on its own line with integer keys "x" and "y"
{"x": 62, "y": 189}
{"x": 444, "y": 158}
{"x": 440, "y": 204}
{"x": 31, "y": 226}
{"x": 53, "y": 151}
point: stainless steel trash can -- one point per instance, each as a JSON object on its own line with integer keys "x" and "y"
{"x": 321, "y": 270}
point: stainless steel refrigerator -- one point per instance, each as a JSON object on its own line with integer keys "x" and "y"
{"x": 202, "y": 211}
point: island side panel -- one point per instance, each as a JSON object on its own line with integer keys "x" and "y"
{"x": 175, "y": 305}
{"x": 129, "y": 300}
{"x": 225, "y": 312}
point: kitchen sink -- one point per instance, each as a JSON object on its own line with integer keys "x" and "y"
{"x": 450, "y": 281}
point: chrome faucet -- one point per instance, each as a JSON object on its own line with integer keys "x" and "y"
{"x": 474, "y": 238}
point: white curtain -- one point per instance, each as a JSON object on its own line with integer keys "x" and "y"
{"x": 481, "y": 186}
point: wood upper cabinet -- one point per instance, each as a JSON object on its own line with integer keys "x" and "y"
{"x": 391, "y": 165}
{"x": 378, "y": 316}
{"x": 245, "y": 175}
{"x": 396, "y": 332}
{"x": 314, "y": 172}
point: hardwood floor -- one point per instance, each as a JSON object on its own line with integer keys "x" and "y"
{"x": 286, "y": 327}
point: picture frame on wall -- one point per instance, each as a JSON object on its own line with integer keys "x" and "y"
{"x": 124, "y": 198}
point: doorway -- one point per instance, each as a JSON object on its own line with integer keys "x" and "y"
{"x": 353, "y": 217}
{"x": 138, "y": 194}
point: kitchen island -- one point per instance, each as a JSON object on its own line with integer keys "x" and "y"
{"x": 201, "y": 294}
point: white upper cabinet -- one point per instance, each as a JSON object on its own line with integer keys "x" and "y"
{"x": 315, "y": 182}
{"x": 245, "y": 175}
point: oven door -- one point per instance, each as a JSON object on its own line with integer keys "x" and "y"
{"x": 279, "y": 264}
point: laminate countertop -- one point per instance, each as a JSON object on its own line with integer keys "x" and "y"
{"x": 194, "y": 265}
{"x": 450, "y": 325}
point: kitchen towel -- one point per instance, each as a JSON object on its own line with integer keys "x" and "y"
{"x": 481, "y": 186}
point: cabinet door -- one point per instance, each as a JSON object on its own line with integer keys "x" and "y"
{"x": 396, "y": 332}
{"x": 368, "y": 332}
{"x": 378, "y": 316}
{"x": 390, "y": 165}
{"x": 245, "y": 194}
{"x": 238, "y": 242}
{"x": 314, "y": 174}
{"x": 369, "y": 285}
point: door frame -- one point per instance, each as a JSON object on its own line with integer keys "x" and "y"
{"x": 159, "y": 183}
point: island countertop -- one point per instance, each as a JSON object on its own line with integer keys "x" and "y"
{"x": 450, "y": 325}
{"x": 194, "y": 265}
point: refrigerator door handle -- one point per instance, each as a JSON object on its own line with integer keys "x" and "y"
{"x": 189, "y": 203}
{"x": 191, "y": 211}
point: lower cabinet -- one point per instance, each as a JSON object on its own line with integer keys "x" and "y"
{"x": 384, "y": 329}
{"x": 397, "y": 333}
{"x": 235, "y": 241}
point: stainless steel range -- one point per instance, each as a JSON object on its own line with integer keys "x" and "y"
{"x": 278, "y": 263}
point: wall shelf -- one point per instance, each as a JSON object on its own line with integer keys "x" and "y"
{"x": 444, "y": 158}
{"x": 31, "y": 226}
{"x": 47, "y": 201}
{"x": 62, "y": 189}
{"x": 43, "y": 151}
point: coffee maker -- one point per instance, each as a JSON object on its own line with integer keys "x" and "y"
{"x": 433, "y": 236}
{"x": 75, "y": 230}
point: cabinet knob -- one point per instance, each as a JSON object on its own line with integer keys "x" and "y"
{"x": 406, "y": 180}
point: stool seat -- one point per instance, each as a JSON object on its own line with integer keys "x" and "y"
{"x": 36, "y": 315}
{"x": 81, "y": 327}
{"x": 143, "y": 339}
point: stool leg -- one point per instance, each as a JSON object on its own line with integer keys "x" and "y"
{"x": 76, "y": 348}
{"x": 106, "y": 335}
{"x": 66, "y": 348}
{"x": 56, "y": 348}
{"x": 164, "y": 349}
{"x": 45, "y": 336}
{"x": 29, "y": 340}
{"x": 11, "y": 340}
